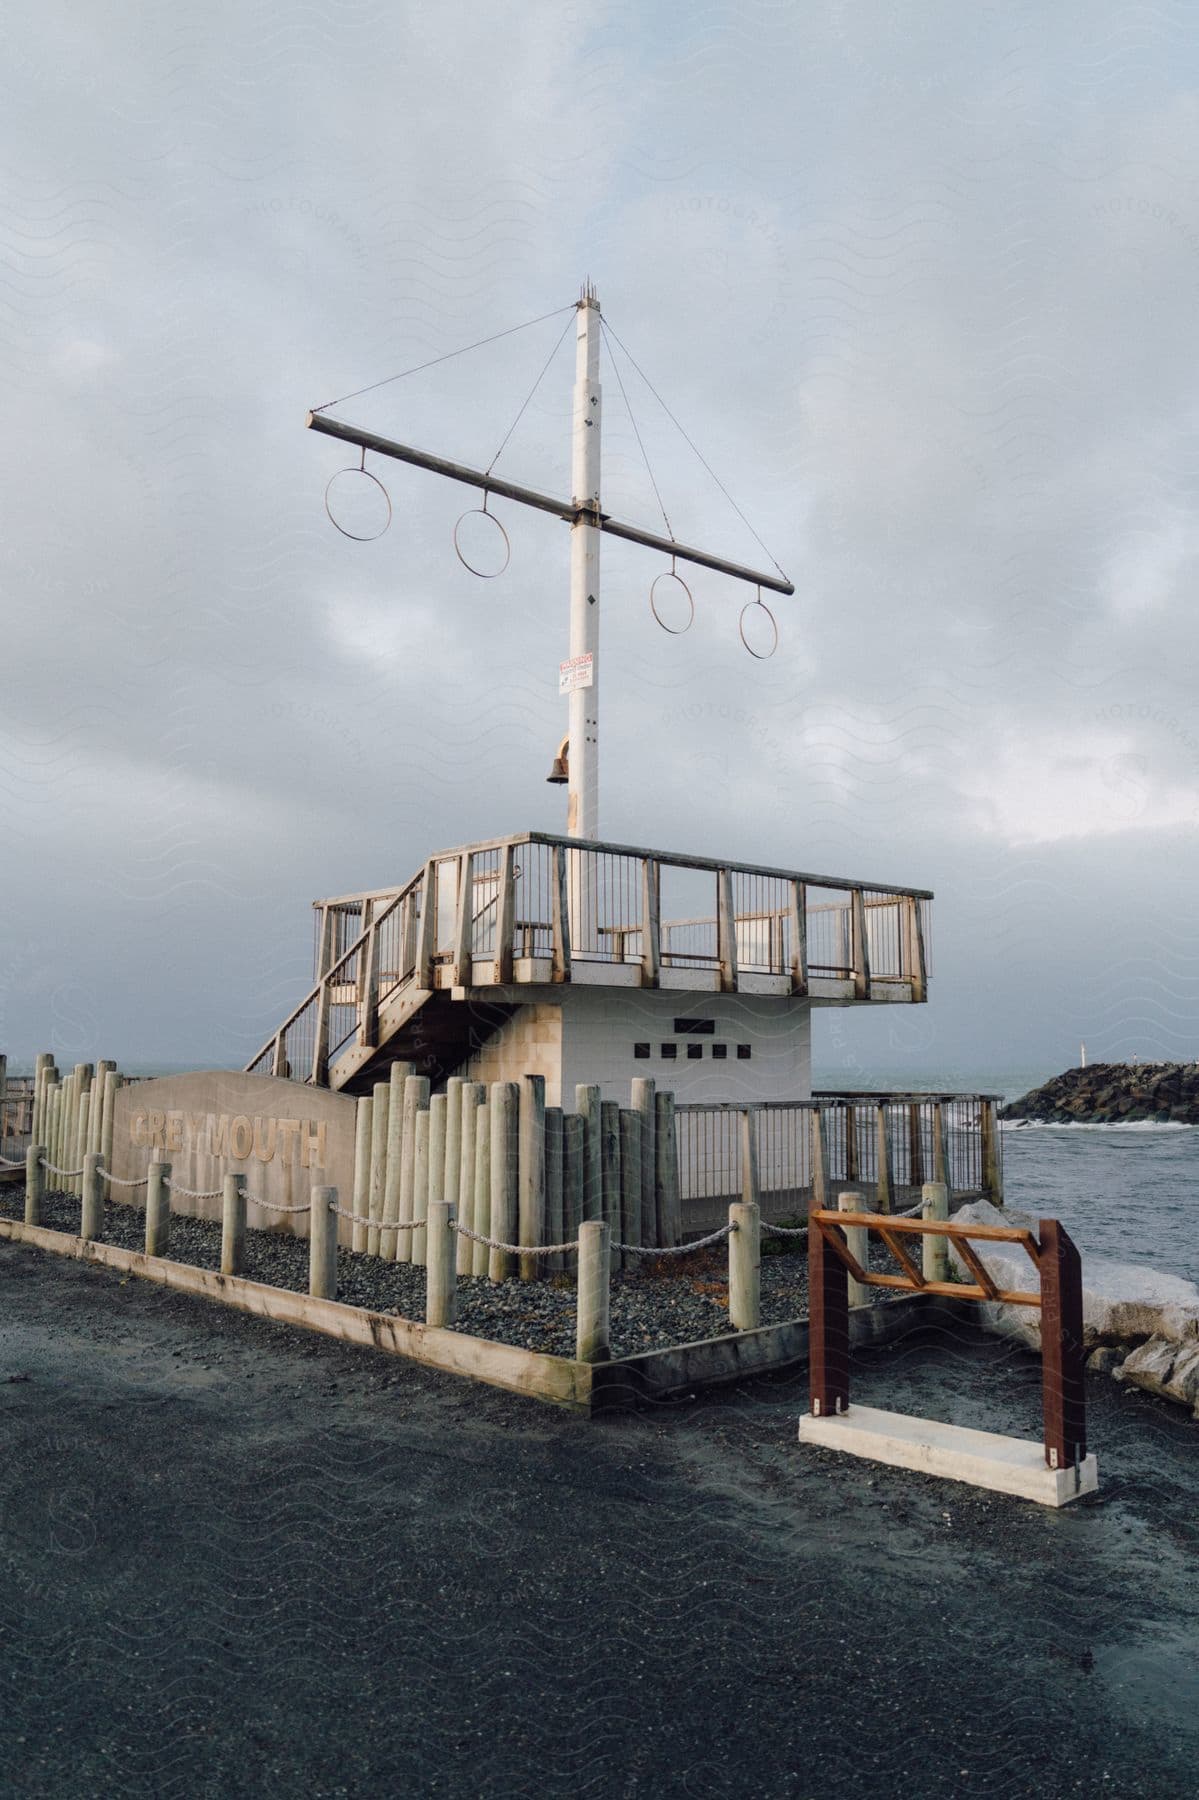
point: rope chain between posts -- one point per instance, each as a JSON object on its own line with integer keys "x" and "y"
{"x": 177, "y": 1187}
{"x": 52, "y": 1169}
{"x": 477, "y": 1237}
{"x": 713, "y": 1237}
{"x": 119, "y": 1180}
{"x": 344, "y": 1212}
{"x": 784, "y": 1230}
{"x": 7, "y": 1163}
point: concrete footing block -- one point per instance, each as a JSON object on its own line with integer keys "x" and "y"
{"x": 985, "y": 1459}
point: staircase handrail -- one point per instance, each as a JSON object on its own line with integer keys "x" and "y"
{"x": 312, "y": 997}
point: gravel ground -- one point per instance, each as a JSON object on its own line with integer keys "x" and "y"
{"x": 651, "y": 1308}
{"x": 242, "y": 1559}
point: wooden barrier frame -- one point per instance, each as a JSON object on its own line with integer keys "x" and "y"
{"x": 1055, "y": 1256}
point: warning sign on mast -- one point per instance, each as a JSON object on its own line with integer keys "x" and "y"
{"x": 575, "y": 673}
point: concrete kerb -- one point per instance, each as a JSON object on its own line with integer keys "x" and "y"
{"x": 651, "y": 1377}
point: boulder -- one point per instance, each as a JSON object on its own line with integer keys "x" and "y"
{"x": 1164, "y": 1367}
{"x": 1121, "y": 1302}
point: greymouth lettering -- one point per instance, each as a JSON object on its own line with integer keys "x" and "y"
{"x": 241, "y": 1136}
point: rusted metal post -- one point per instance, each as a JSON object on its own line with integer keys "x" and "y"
{"x": 828, "y": 1326}
{"x": 1062, "y": 1378}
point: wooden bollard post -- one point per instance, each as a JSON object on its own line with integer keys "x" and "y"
{"x": 91, "y": 1211}
{"x": 441, "y": 1278}
{"x": 80, "y": 1146}
{"x": 935, "y": 1257}
{"x": 610, "y": 1175}
{"x": 819, "y": 1131}
{"x": 941, "y": 1156}
{"x": 34, "y": 1183}
{"x": 41, "y": 1071}
{"x": 420, "y": 1184}
{"x": 393, "y": 1160}
{"x": 451, "y": 1180}
{"x": 96, "y": 1119}
{"x": 473, "y": 1095}
{"x": 555, "y": 1214}
{"x": 884, "y": 1178}
{"x": 587, "y": 1103}
{"x": 666, "y": 1172}
{"x": 630, "y": 1179}
{"x": 745, "y": 1266}
{"x": 505, "y": 1141}
{"x": 322, "y": 1244}
{"x": 416, "y": 1101}
{"x": 481, "y": 1217}
{"x": 857, "y": 1242}
{"x": 643, "y": 1103}
{"x": 915, "y": 1146}
{"x": 851, "y": 1142}
{"x": 376, "y": 1195}
{"x": 751, "y": 1187}
{"x": 158, "y": 1209}
{"x": 113, "y": 1081}
{"x": 573, "y": 1130}
{"x": 362, "y": 1169}
{"x": 439, "y": 1118}
{"x": 233, "y": 1226}
{"x": 592, "y": 1332}
{"x": 991, "y": 1157}
{"x": 531, "y": 1203}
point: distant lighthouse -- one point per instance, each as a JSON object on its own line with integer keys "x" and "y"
{"x": 1082, "y": 1056}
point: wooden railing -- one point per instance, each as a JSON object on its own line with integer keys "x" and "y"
{"x": 1058, "y": 1295}
{"x": 536, "y": 908}
{"x": 887, "y": 1145}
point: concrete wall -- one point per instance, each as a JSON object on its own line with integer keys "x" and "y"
{"x": 529, "y": 1043}
{"x": 589, "y": 1034}
{"x": 283, "y": 1136}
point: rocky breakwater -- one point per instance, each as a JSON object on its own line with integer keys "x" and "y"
{"x": 1114, "y": 1094}
{"x": 1139, "y": 1325}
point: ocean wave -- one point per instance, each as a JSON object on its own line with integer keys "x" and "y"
{"x": 1095, "y": 1125}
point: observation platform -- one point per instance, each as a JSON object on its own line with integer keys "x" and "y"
{"x": 519, "y": 948}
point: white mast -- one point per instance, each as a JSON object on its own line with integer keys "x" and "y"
{"x": 582, "y": 814}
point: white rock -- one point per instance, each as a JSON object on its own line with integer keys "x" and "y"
{"x": 1165, "y": 1368}
{"x": 1119, "y": 1300}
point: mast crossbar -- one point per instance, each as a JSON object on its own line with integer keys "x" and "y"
{"x": 562, "y": 509}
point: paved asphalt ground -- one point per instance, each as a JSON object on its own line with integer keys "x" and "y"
{"x": 239, "y": 1559}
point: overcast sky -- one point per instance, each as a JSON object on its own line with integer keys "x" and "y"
{"x": 921, "y": 282}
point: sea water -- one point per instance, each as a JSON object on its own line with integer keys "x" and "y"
{"x": 1126, "y": 1191}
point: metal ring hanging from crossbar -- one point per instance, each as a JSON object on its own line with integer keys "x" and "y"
{"x": 672, "y": 574}
{"x": 359, "y": 537}
{"x": 476, "y": 512}
{"x": 760, "y": 655}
